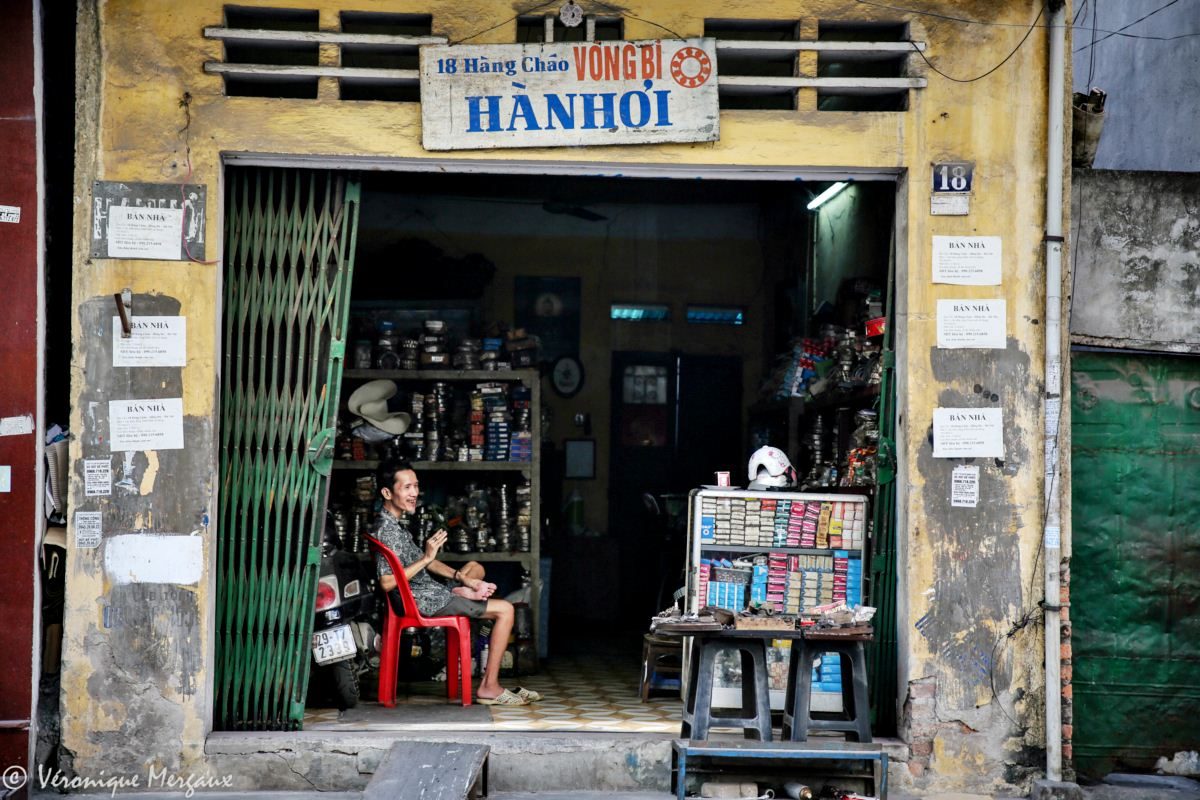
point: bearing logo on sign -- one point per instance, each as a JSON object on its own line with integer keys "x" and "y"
{"x": 568, "y": 94}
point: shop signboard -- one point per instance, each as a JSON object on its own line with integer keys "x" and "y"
{"x": 568, "y": 94}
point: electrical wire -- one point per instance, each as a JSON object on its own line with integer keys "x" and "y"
{"x": 1079, "y": 12}
{"x": 185, "y": 102}
{"x": 1095, "y": 42}
{"x": 969, "y": 21}
{"x": 1024, "y": 38}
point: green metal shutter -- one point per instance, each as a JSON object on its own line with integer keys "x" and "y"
{"x": 882, "y": 653}
{"x": 289, "y": 260}
{"x": 1135, "y": 563}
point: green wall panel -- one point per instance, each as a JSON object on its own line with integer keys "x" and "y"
{"x": 1136, "y": 559}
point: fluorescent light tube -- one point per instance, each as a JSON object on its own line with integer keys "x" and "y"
{"x": 826, "y": 195}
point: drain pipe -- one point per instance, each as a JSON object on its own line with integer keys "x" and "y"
{"x": 1051, "y": 536}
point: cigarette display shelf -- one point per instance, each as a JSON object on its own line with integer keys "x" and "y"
{"x": 716, "y": 513}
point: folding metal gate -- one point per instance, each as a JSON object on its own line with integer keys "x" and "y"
{"x": 289, "y": 260}
{"x": 882, "y": 654}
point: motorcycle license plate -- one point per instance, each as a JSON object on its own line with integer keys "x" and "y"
{"x": 333, "y": 644}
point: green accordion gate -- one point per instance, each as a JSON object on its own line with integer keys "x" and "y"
{"x": 289, "y": 260}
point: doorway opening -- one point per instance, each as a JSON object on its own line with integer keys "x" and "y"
{"x": 626, "y": 339}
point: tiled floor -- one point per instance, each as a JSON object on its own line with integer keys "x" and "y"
{"x": 594, "y": 692}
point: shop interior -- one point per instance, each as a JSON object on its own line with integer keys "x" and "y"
{"x": 670, "y": 326}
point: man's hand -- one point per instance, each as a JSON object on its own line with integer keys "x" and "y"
{"x": 434, "y": 543}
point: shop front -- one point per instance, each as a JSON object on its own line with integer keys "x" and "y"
{"x": 404, "y": 235}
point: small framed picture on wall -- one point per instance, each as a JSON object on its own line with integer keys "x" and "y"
{"x": 580, "y": 457}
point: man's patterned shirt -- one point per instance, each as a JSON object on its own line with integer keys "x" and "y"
{"x": 429, "y": 594}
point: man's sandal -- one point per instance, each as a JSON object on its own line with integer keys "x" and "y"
{"x": 528, "y": 695}
{"x": 505, "y": 698}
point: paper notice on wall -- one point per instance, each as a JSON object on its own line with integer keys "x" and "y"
{"x": 971, "y": 323}
{"x": 967, "y": 260}
{"x": 88, "y": 528}
{"x": 10, "y": 214}
{"x": 16, "y": 426}
{"x": 5, "y": 478}
{"x": 154, "y": 558}
{"x": 153, "y": 342}
{"x": 97, "y": 477}
{"x": 1053, "y": 537}
{"x": 145, "y": 232}
{"x": 145, "y": 424}
{"x": 964, "y": 487}
{"x": 968, "y": 433}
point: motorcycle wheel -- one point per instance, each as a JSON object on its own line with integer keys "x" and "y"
{"x": 345, "y": 684}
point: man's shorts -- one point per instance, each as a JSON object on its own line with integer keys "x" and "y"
{"x": 462, "y": 607}
{"x": 457, "y": 607}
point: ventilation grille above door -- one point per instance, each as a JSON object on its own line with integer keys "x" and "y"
{"x": 281, "y": 52}
{"x": 848, "y": 66}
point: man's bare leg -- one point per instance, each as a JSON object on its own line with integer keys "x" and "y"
{"x": 501, "y": 614}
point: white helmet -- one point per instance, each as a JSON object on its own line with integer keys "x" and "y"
{"x": 770, "y": 469}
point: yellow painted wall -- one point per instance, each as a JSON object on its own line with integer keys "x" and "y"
{"x": 138, "y": 59}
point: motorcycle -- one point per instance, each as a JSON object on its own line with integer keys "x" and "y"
{"x": 345, "y": 644}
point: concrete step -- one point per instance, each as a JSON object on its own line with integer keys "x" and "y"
{"x": 581, "y": 796}
{"x": 517, "y": 762}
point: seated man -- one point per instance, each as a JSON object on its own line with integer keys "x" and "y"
{"x": 398, "y": 486}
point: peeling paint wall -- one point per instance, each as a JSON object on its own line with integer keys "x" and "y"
{"x": 138, "y": 657}
{"x": 1137, "y": 257}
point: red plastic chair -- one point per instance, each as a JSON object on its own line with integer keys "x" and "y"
{"x": 458, "y": 640}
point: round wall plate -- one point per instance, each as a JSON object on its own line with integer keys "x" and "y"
{"x": 567, "y": 376}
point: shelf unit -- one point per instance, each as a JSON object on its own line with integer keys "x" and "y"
{"x": 723, "y": 692}
{"x": 530, "y": 470}
{"x": 791, "y": 551}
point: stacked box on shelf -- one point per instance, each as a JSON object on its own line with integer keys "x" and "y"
{"x": 824, "y": 515}
{"x": 723, "y": 528}
{"x": 795, "y": 524}
{"x": 727, "y": 585}
{"x": 476, "y": 439}
{"x": 777, "y": 580}
{"x": 809, "y": 524}
{"x": 841, "y": 570}
{"x": 810, "y": 582}
{"x": 497, "y": 430}
{"x": 828, "y": 676}
{"x": 854, "y": 594}
{"x": 854, "y": 525}
{"x": 758, "y": 582}
{"x": 779, "y": 511}
{"x": 702, "y": 581}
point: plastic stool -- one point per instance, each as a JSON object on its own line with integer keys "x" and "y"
{"x": 661, "y": 655}
{"x": 797, "y": 716}
{"x": 755, "y": 718}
